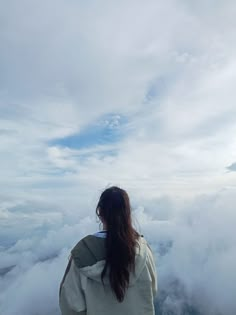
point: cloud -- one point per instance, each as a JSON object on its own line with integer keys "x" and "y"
{"x": 6, "y": 132}
{"x": 194, "y": 249}
{"x": 170, "y": 88}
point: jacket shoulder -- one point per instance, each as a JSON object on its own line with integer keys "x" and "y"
{"x": 88, "y": 251}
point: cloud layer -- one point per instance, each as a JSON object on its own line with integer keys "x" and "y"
{"x": 194, "y": 246}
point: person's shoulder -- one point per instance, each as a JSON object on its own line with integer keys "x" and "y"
{"x": 81, "y": 242}
{"x": 142, "y": 239}
{"x": 144, "y": 243}
{"x": 88, "y": 251}
{"x": 81, "y": 246}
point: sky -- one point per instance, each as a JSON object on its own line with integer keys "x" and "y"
{"x": 130, "y": 93}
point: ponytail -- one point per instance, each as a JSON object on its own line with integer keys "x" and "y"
{"x": 114, "y": 209}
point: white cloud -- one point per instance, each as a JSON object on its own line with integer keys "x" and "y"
{"x": 194, "y": 247}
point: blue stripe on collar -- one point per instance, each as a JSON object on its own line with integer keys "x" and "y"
{"x": 101, "y": 234}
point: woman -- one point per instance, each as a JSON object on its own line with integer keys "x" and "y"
{"x": 111, "y": 272}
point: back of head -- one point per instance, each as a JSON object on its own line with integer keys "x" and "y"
{"x": 114, "y": 210}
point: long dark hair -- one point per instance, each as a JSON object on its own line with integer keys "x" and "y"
{"x": 114, "y": 210}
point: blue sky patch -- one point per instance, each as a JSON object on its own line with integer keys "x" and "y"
{"x": 232, "y": 167}
{"x": 107, "y": 130}
{"x": 155, "y": 90}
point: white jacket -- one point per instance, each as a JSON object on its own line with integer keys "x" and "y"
{"x": 82, "y": 291}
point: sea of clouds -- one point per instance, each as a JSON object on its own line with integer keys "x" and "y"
{"x": 193, "y": 243}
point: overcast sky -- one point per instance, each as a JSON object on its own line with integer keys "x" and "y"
{"x": 135, "y": 94}
{"x": 139, "y": 94}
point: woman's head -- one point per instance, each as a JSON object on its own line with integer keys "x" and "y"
{"x": 114, "y": 208}
{"x": 115, "y": 212}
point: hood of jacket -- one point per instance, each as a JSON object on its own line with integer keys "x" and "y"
{"x": 89, "y": 257}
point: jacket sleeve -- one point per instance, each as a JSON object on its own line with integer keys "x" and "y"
{"x": 152, "y": 270}
{"x": 71, "y": 295}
